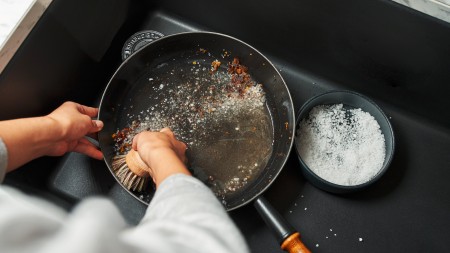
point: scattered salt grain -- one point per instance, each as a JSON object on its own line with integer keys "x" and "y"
{"x": 342, "y": 146}
{"x": 317, "y": 245}
{"x": 360, "y": 239}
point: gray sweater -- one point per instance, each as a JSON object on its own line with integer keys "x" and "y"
{"x": 184, "y": 216}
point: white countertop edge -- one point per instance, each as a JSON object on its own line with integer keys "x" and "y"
{"x": 436, "y": 8}
{"x": 21, "y": 31}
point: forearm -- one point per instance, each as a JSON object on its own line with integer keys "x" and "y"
{"x": 164, "y": 163}
{"x": 27, "y": 139}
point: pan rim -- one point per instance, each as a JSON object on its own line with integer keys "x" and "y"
{"x": 291, "y": 109}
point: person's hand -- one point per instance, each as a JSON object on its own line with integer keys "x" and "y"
{"x": 72, "y": 123}
{"x": 162, "y": 152}
{"x": 151, "y": 144}
{"x": 61, "y": 131}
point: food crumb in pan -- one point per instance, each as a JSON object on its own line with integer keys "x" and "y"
{"x": 215, "y": 66}
{"x": 225, "y": 53}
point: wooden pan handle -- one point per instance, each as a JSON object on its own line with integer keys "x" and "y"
{"x": 286, "y": 235}
{"x": 293, "y": 244}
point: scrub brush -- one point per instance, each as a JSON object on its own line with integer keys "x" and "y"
{"x": 131, "y": 171}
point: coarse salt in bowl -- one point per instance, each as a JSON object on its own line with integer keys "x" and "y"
{"x": 344, "y": 141}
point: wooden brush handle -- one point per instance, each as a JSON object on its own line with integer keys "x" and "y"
{"x": 136, "y": 165}
{"x": 293, "y": 244}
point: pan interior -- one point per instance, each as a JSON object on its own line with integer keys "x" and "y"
{"x": 248, "y": 145}
{"x": 230, "y": 139}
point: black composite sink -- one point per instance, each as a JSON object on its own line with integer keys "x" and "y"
{"x": 398, "y": 57}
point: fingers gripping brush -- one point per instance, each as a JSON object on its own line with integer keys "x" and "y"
{"x": 131, "y": 171}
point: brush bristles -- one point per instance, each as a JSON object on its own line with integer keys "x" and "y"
{"x": 130, "y": 180}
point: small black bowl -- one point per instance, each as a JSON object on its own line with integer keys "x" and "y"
{"x": 349, "y": 99}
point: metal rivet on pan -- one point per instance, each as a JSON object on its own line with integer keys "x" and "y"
{"x": 138, "y": 40}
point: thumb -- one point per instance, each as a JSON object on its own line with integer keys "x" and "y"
{"x": 134, "y": 142}
{"x": 97, "y": 125}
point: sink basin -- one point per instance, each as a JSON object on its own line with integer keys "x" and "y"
{"x": 397, "y": 57}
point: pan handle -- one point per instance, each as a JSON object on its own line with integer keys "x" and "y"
{"x": 288, "y": 237}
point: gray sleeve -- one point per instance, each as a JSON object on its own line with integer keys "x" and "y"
{"x": 32, "y": 225}
{"x": 185, "y": 214}
{"x": 3, "y": 160}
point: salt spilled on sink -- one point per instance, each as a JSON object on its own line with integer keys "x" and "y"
{"x": 342, "y": 146}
